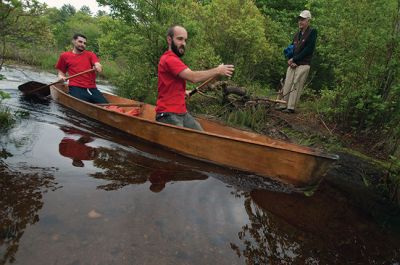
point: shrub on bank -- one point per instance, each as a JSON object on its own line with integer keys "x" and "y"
{"x": 6, "y": 118}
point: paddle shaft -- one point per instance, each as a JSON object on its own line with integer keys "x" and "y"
{"x": 69, "y": 77}
{"x": 194, "y": 91}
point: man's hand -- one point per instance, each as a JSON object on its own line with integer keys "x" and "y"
{"x": 291, "y": 63}
{"x": 187, "y": 93}
{"x": 226, "y": 69}
{"x": 97, "y": 66}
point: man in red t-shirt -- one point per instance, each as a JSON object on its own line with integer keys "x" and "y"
{"x": 76, "y": 61}
{"x": 172, "y": 77}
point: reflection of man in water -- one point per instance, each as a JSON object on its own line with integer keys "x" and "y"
{"x": 159, "y": 178}
{"x": 77, "y": 150}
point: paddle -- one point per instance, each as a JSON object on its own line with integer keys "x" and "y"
{"x": 194, "y": 91}
{"x": 33, "y": 87}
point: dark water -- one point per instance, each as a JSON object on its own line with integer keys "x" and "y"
{"x": 74, "y": 191}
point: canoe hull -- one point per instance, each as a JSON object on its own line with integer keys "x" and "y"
{"x": 246, "y": 151}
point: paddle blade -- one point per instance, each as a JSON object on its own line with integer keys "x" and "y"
{"x": 33, "y": 87}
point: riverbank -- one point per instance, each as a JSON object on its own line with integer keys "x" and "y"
{"x": 362, "y": 174}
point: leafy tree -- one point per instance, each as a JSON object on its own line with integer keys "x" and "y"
{"x": 239, "y": 32}
{"x": 86, "y": 10}
{"x": 363, "y": 53}
{"x": 147, "y": 22}
{"x": 80, "y": 22}
{"x": 67, "y": 11}
{"x": 21, "y": 24}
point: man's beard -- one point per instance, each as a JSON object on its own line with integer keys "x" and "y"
{"x": 175, "y": 49}
{"x": 81, "y": 49}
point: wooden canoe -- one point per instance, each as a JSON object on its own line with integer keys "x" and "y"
{"x": 247, "y": 151}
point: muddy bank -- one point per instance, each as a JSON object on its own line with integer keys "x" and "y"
{"x": 363, "y": 181}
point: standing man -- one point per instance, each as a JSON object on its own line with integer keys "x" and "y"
{"x": 76, "y": 61}
{"x": 172, "y": 77}
{"x": 299, "y": 65}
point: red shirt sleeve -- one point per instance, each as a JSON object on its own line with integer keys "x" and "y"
{"x": 175, "y": 65}
{"x": 94, "y": 58}
{"x": 61, "y": 63}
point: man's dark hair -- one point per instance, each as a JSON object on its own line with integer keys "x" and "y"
{"x": 171, "y": 31}
{"x": 77, "y": 35}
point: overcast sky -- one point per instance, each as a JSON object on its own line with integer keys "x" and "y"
{"x": 92, "y": 4}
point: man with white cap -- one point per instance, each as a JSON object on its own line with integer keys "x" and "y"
{"x": 299, "y": 64}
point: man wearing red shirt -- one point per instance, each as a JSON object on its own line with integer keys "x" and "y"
{"x": 76, "y": 61}
{"x": 172, "y": 77}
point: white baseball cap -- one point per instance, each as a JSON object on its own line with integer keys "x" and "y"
{"x": 305, "y": 14}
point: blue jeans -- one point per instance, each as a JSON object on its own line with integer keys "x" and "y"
{"x": 92, "y": 95}
{"x": 184, "y": 120}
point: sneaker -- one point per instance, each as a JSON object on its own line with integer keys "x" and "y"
{"x": 288, "y": 110}
{"x": 280, "y": 107}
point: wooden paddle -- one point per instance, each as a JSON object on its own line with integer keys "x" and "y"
{"x": 194, "y": 91}
{"x": 30, "y": 88}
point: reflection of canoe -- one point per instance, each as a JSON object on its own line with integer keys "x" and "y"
{"x": 220, "y": 144}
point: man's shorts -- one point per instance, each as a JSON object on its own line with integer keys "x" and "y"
{"x": 184, "y": 120}
{"x": 92, "y": 95}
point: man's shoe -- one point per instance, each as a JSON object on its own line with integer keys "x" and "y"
{"x": 280, "y": 107}
{"x": 288, "y": 111}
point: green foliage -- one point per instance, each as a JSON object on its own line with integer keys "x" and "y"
{"x": 6, "y": 119}
{"x": 86, "y": 10}
{"x": 253, "y": 117}
{"x": 45, "y": 58}
{"x": 79, "y": 22}
{"x": 3, "y": 95}
{"x": 22, "y": 24}
{"x": 359, "y": 99}
{"x": 237, "y": 31}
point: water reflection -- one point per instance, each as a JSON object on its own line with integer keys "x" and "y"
{"x": 122, "y": 167}
{"x": 77, "y": 150}
{"x": 294, "y": 229}
{"x": 21, "y": 199}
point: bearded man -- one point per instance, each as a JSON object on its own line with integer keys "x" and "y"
{"x": 79, "y": 60}
{"x": 172, "y": 77}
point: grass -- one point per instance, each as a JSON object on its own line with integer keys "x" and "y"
{"x": 6, "y": 118}
{"x": 43, "y": 58}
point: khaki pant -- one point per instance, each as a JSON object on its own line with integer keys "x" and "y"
{"x": 294, "y": 84}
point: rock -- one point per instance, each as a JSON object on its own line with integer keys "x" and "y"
{"x": 93, "y": 214}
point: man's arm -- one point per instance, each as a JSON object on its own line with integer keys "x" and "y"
{"x": 200, "y": 76}
{"x": 61, "y": 76}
